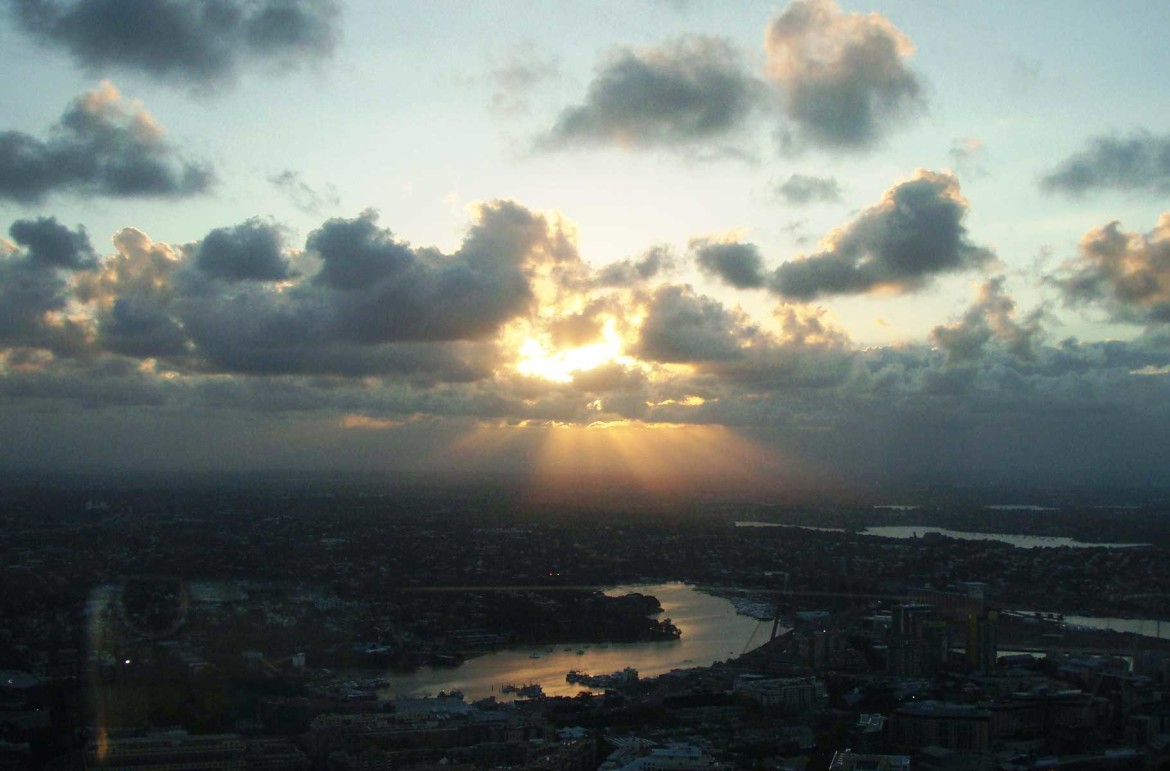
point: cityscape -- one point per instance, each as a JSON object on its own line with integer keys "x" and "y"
{"x": 352, "y": 623}
{"x": 584, "y": 384}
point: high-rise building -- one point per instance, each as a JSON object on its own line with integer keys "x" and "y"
{"x": 982, "y": 641}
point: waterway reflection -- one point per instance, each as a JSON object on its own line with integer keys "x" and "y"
{"x": 1019, "y": 541}
{"x": 711, "y": 631}
{"x": 1144, "y": 627}
{"x": 917, "y": 531}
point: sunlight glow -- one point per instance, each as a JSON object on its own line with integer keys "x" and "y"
{"x": 365, "y": 422}
{"x": 561, "y": 460}
{"x": 559, "y": 366}
{"x": 658, "y": 458}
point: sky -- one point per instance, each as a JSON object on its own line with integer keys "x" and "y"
{"x": 676, "y": 243}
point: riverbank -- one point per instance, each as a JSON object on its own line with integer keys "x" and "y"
{"x": 1042, "y": 635}
{"x": 711, "y": 629}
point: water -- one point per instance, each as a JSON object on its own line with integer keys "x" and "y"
{"x": 1146, "y": 627}
{"x": 751, "y": 523}
{"x": 711, "y": 631}
{"x": 916, "y": 531}
{"x": 1019, "y": 541}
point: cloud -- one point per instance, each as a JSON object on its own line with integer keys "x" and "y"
{"x": 516, "y": 74}
{"x": 53, "y": 245}
{"x": 681, "y": 326}
{"x": 969, "y": 155}
{"x": 367, "y": 423}
{"x": 800, "y": 189}
{"x": 100, "y": 147}
{"x": 132, "y": 293}
{"x": 574, "y": 330}
{"x": 141, "y": 328}
{"x": 1139, "y": 163}
{"x": 153, "y": 331}
{"x": 991, "y": 317}
{"x": 809, "y": 355}
{"x": 686, "y": 92}
{"x": 625, "y": 273}
{"x": 27, "y": 294}
{"x": 197, "y": 43}
{"x": 306, "y": 198}
{"x": 1128, "y": 274}
{"x": 387, "y": 292}
{"x": 736, "y": 264}
{"x": 374, "y": 305}
{"x": 915, "y": 233}
{"x": 844, "y": 75}
{"x": 33, "y": 291}
{"x": 251, "y": 251}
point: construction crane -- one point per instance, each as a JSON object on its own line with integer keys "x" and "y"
{"x": 776, "y": 617}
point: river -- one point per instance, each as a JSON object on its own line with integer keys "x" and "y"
{"x": 1019, "y": 541}
{"x": 917, "y": 531}
{"x": 1145, "y": 627}
{"x": 711, "y": 631}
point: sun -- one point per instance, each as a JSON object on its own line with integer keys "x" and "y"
{"x": 560, "y": 366}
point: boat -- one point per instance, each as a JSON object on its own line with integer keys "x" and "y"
{"x": 624, "y": 677}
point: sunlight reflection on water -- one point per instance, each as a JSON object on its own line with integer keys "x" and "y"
{"x": 711, "y": 631}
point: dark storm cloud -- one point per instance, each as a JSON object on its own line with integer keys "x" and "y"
{"x": 100, "y": 147}
{"x": 844, "y": 75}
{"x": 991, "y": 317}
{"x": 1140, "y": 163}
{"x": 800, "y": 189}
{"x": 913, "y": 234}
{"x": 626, "y": 273}
{"x": 1127, "y": 274}
{"x": 51, "y": 244}
{"x": 681, "y": 326}
{"x": 736, "y": 264}
{"x": 251, "y": 251}
{"x": 688, "y": 91}
{"x": 192, "y": 42}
